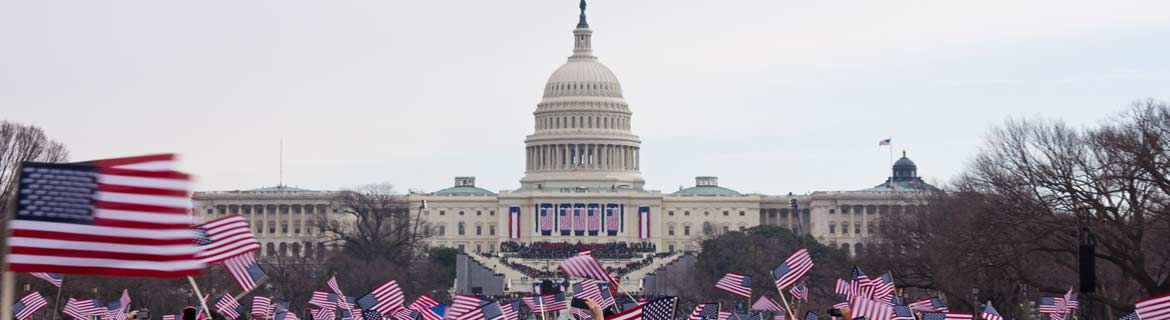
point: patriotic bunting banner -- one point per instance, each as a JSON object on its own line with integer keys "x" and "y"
{"x": 644, "y": 222}
{"x": 514, "y": 223}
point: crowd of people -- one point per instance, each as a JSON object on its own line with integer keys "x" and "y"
{"x": 637, "y": 264}
{"x": 561, "y": 250}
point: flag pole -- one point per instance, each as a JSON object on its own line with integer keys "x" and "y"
{"x": 787, "y": 308}
{"x": 199, "y": 295}
{"x": 542, "y": 311}
{"x": 57, "y": 304}
{"x": 8, "y": 279}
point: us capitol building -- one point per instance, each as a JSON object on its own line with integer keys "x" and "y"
{"x": 582, "y": 184}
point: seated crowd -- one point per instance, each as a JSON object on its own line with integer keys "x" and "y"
{"x": 561, "y": 250}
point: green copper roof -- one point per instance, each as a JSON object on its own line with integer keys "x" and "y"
{"x": 464, "y": 190}
{"x": 707, "y": 191}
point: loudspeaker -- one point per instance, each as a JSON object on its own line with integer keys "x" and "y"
{"x": 1088, "y": 267}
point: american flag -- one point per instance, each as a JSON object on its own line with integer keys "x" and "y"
{"x": 323, "y": 314}
{"x": 587, "y": 289}
{"x": 736, "y": 283}
{"x": 511, "y": 310}
{"x": 565, "y": 220}
{"x": 862, "y": 285}
{"x": 55, "y": 278}
{"x": 1070, "y": 301}
{"x": 104, "y": 219}
{"x": 224, "y": 238}
{"x": 705, "y": 311}
{"x": 724, "y": 315}
{"x": 883, "y": 287}
{"x": 934, "y": 304}
{"x": 989, "y": 313}
{"x": 341, "y": 301}
{"x": 594, "y": 219}
{"x": 228, "y": 306}
{"x": 659, "y": 309}
{"x": 799, "y": 291}
{"x": 261, "y": 307}
{"x": 843, "y": 289}
{"x": 585, "y": 266}
{"x": 947, "y": 316}
{"x": 870, "y": 309}
{"x": 579, "y": 219}
{"x": 487, "y": 310}
{"x": 116, "y": 310}
{"x": 581, "y": 314}
{"x": 169, "y": 317}
{"x": 810, "y": 315}
{"x": 1051, "y": 305}
{"x": 28, "y": 305}
{"x": 282, "y": 313}
{"x": 885, "y": 142}
{"x": 83, "y": 309}
{"x": 384, "y": 299}
{"x": 1129, "y": 316}
{"x": 1154, "y": 308}
{"x": 778, "y": 316}
{"x": 426, "y": 305}
{"x": 796, "y": 266}
{"x": 612, "y": 221}
{"x": 898, "y": 300}
{"x": 903, "y": 313}
{"x": 545, "y": 219}
{"x": 323, "y": 299}
{"x": 461, "y": 304}
{"x": 756, "y": 316}
{"x": 404, "y": 314}
{"x": 766, "y": 304}
{"x": 606, "y": 296}
{"x": 245, "y": 271}
{"x": 548, "y": 303}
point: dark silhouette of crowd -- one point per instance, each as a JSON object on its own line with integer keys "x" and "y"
{"x": 637, "y": 264}
{"x": 561, "y": 250}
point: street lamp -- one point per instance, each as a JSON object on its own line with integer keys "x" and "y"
{"x": 975, "y": 302}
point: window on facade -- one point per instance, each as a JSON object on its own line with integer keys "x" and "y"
{"x": 259, "y": 229}
{"x": 869, "y": 228}
{"x": 670, "y": 213}
{"x": 270, "y": 250}
{"x": 832, "y": 228}
{"x": 726, "y": 228}
{"x": 284, "y": 228}
{"x": 321, "y": 228}
{"x": 857, "y": 228}
{"x": 741, "y": 213}
{"x": 479, "y": 213}
{"x": 831, "y": 211}
{"x": 479, "y": 230}
{"x": 845, "y": 227}
{"x": 492, "y": 213}
{"x": 706, "y": 213}
{"x": 210, "y": 211}
{"x": 670, "y": 248}
{"x": 271, "y": 228}
{"x": 442, "y": 213}
{"x": 297, "y": 230}
{"x": 686, "y": 230}
{"x": 461, "y": 231}
{"x": 460, "y": 212}
{"x": 686, "y": 213}
{"x": 442, "y": 230}
{"x": 492, "y": 230}
{"x": 725, "y": 213}
{"x": 670, "y": 230}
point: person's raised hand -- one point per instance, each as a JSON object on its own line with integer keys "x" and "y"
{"x": 595, "y": 310}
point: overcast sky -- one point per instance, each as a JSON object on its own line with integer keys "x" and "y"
{"x": 771, "y": 96}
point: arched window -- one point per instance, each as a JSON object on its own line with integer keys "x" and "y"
{"x": 832, "y": 228}
{"x": 687, "y": 230}
{"x": 492, "y": 230}
{"x": 857, "y": 228}
{"x": 670, "y": 230}
{"x": 845, "y": 228}
{"x": 296, "y": 249}
{"x": 442, "y": 230}
{"x": 845, "y": 247}
{"x": 857, "y": 249}
{"x": 478, "y": 230}
{"x": 283, "y": 249}
{"x": 270, "y": 249}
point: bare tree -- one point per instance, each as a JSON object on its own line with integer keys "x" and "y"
{"x": 20, "y": 143}
{"x": 376, "y": 223}
{"x": 1034, "y": 190}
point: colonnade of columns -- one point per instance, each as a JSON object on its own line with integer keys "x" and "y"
{"x": 582, "y": 156}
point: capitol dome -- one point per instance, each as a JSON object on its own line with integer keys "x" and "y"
{"x": 584, "y": 77}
